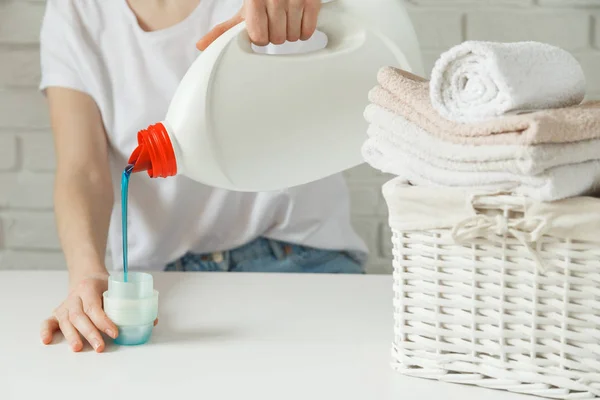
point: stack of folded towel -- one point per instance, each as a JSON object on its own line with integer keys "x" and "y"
{"x": 498, "y": 116}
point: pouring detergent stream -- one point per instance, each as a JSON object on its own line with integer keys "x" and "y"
{"x": 124, "y": 193}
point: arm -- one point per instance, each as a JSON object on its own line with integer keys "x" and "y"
{"x": 83, "y": 200}
{"x": 83, "y": 193}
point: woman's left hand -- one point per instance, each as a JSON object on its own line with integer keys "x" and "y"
{"x": 271, "y": 21}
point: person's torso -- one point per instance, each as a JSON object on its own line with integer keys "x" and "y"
{"x": 132, "y": 75}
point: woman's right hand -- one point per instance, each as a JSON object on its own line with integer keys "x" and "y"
{"x": 82, "y": 313}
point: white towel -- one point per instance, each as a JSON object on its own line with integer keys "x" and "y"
{"x": 555, "y": 184}
{"x": 526, "y": 160}
{"x": 479, "y": 80}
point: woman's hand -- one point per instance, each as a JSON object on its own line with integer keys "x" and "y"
{"x": 271, "y": 21}
{"x": 82, "y": 313}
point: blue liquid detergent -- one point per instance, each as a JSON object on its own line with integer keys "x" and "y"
{"x": 124, "y": 191}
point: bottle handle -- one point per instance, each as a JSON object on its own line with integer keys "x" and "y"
{"x": 343, "y": 32}
{"x": 351, "y": 27}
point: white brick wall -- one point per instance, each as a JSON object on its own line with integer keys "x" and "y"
{"x": 27, "y": 233}
{"x": 20, "y": 66}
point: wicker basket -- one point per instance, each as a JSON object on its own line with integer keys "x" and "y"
{"x": 496, "y": 291}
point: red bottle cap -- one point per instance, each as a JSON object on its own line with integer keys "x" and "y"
{"x": 154, "y": 153}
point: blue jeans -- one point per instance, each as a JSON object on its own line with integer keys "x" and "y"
{"x": 267, "y": 255}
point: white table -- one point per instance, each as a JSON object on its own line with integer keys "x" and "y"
{"x": 221, "y": 336}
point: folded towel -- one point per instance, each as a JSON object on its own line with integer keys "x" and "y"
{"x": 408, "y": 95}
{"x": 475, "y": 81}
{"x": 405, "y": 136}
{"x": 555, "y": 184}
{"x": 397, "y": 160}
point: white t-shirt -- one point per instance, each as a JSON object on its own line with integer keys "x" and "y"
{"x": 97, "y": 47}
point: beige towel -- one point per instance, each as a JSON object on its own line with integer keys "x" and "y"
{"x": 408, "y": 95}
{"x": 404, "y": 136}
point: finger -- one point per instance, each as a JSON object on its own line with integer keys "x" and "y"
{"x": 68, "y": 330}
{"x": 156, "y": 322}
{"x": 84, "y": 325}
{"x": 277, "y": 22}
{"x": 294, "y": 20}
{"x": 217, "y": 31}
{"x": 49, "y": 326}
{"x": 310, "y": 18}
{"x": 257, "y": 22}
{"x": 92, "y": 307}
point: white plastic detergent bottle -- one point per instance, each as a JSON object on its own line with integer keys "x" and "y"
{"x": 246, "y": 121}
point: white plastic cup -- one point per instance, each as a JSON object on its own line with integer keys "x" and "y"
{"x": 132, "y": 306}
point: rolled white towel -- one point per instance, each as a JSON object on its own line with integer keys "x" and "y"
{"x": 475, "y": 81}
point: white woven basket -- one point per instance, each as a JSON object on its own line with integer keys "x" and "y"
{"x": 495, "y": 291}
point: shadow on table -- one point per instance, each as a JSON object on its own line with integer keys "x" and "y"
{"x": 59, "y": 339}
{"x": 165, "y": 333}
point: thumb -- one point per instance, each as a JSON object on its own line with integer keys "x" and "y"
{"x": 218, "y": 31}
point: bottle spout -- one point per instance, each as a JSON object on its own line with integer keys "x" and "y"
{"x": 140, "y": 159}
{"x": 154, "y": 153}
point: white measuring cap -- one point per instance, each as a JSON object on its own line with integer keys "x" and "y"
{"x": 132, "y": 306}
